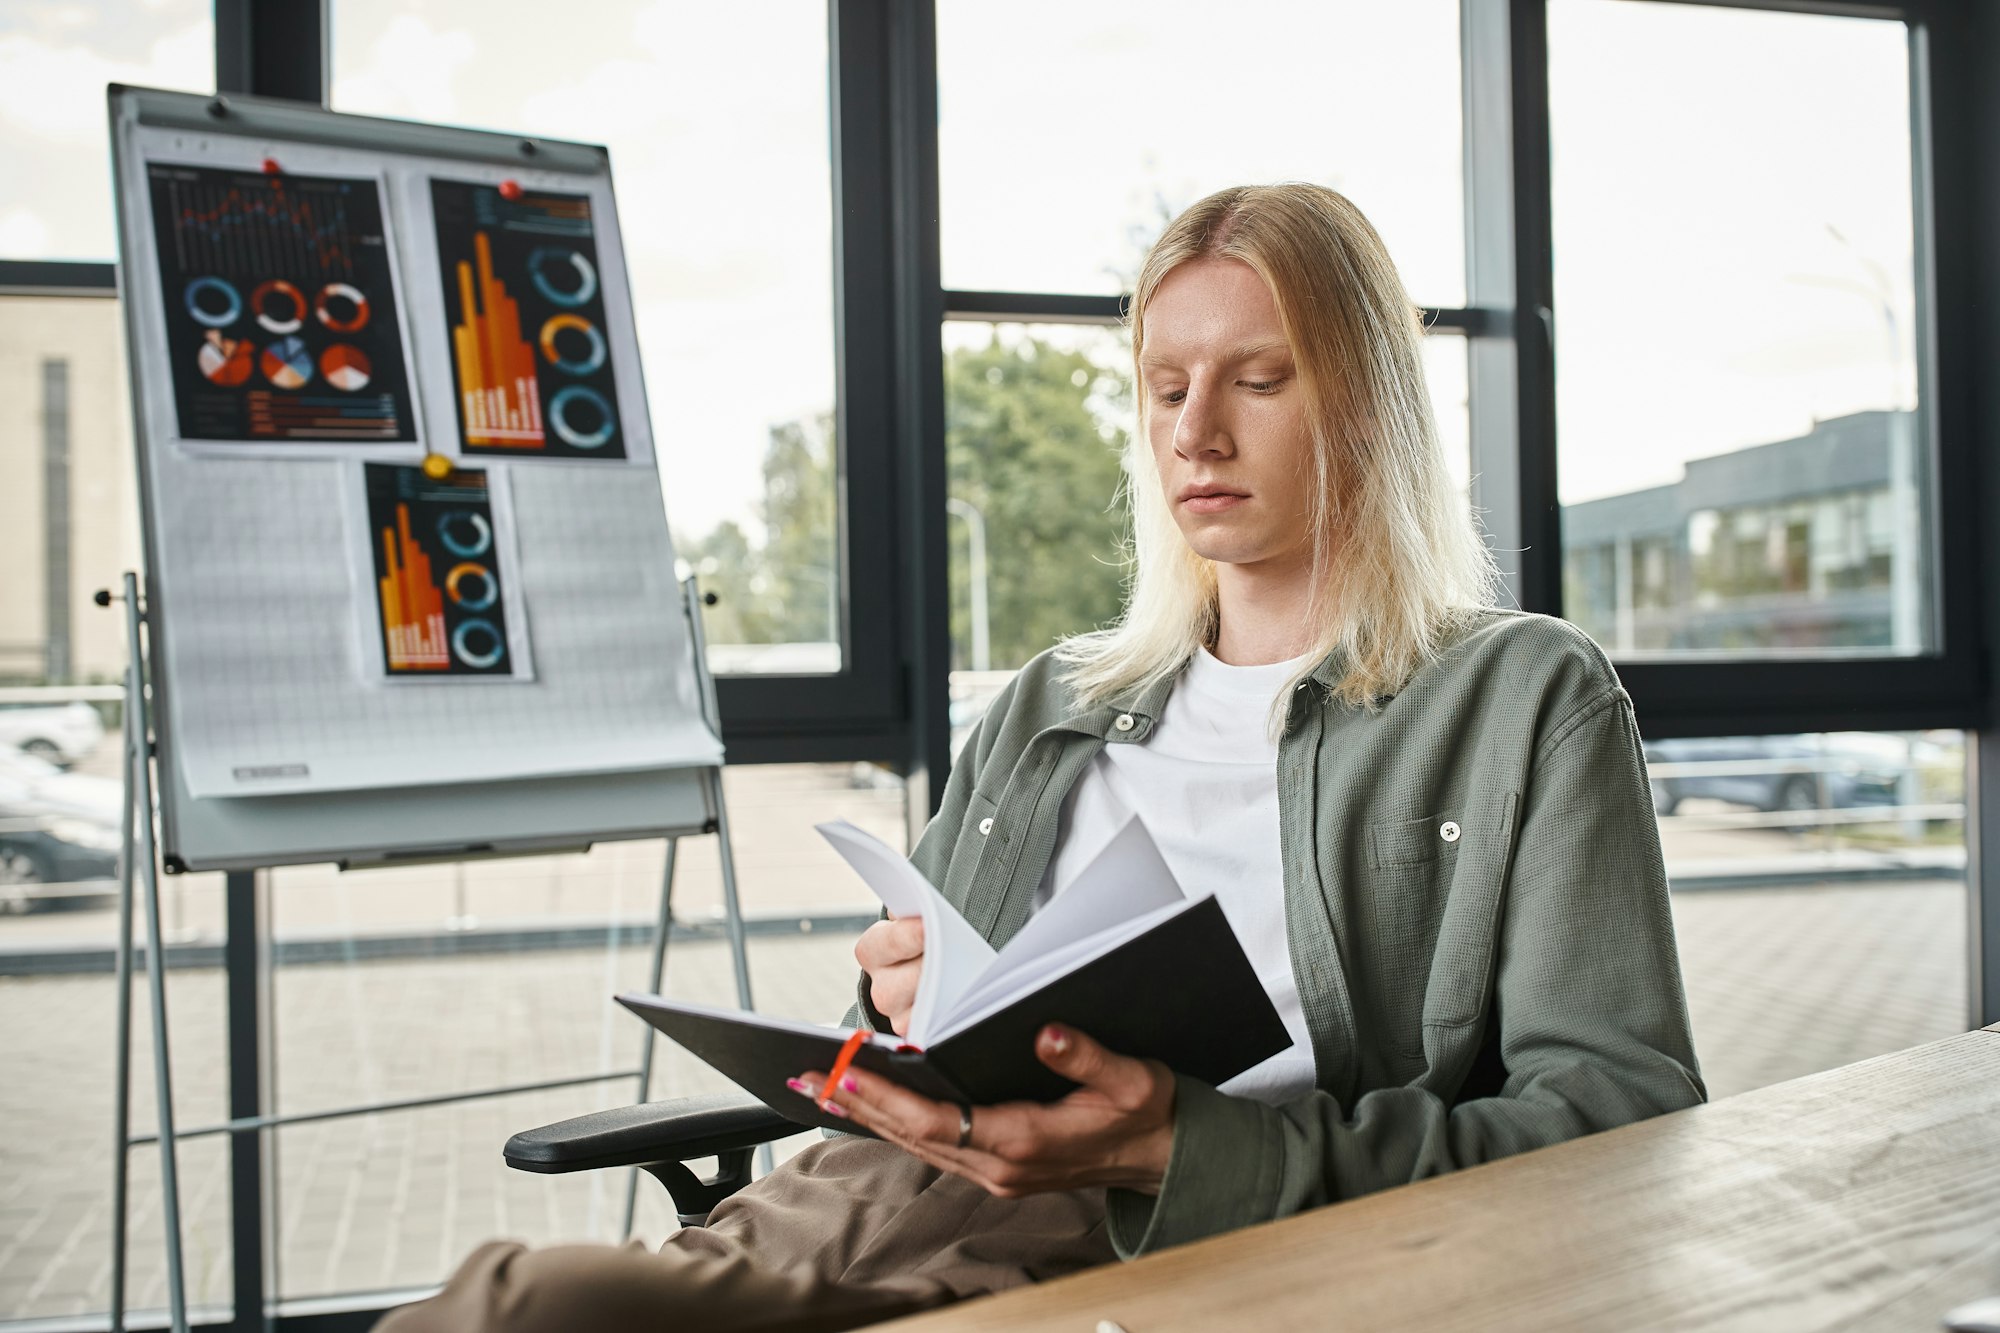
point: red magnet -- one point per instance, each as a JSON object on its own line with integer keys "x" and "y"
{"x": 510, "y": 189}
{"x": 271, "y": 167}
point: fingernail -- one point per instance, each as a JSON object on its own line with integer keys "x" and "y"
{"x": 1058, "y": 1039}
{"x": 847, "y": 1083}
{"x": 832, "y": 1108}
{"x": 799, "y": 1085}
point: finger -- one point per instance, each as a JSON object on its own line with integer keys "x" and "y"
{"x": 885, "y": 1106}
{"x": 887, "y": 943}
{"x": 907, "y": 934}
{"x": 1076, "y": 1056}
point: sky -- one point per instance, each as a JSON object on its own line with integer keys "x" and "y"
{"x": 1703, "y": 162}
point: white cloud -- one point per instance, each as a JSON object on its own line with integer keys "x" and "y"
{"x": 409, "y": 70}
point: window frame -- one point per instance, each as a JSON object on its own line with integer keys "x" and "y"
{"x": 1511, "y": 273}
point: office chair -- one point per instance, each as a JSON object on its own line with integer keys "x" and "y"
{"x": 660, "y": 1138}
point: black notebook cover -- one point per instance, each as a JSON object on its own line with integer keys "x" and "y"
{"x": 1181, "y": 993}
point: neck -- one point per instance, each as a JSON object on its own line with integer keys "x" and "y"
{"x": 1262, "y": 615}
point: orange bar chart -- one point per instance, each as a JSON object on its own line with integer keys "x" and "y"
{"x": 412, "y": 605}
{"x": 496, "y": 365}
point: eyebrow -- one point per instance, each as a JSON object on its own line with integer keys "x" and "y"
{"x": 1240, "y": 353}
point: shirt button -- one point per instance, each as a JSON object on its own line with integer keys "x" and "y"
{"x": 1449, "y": 831}
{"x": 1125, "y": 722}
{"x": 985, "y": 826}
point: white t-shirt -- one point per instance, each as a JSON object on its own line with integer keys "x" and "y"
{"x": 1206, "y": 785}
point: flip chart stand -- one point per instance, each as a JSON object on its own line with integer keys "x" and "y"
{"x": 138, "y": 876}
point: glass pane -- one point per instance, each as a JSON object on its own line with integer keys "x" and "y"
{"x": 729, "y": 240}
{"x": 1448, "y": 374}
{"x": 58, "y": 1017}
{"x": 55, "y": 156}
{"x": 1137, "y": 111}
{"x": 1036, "y": 416}
{"x": 1741, "y": 465}
{"x": 1819, "y": 895}
{"x": 428, "y": 981}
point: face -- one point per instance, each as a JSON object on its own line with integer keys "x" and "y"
{"x": 1226, "y": 417}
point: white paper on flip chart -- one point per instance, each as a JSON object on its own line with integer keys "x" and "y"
{"x": 266, "y": 691}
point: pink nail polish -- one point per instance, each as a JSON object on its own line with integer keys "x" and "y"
{"x": 832, "y": 1108}
{"x": 847, "y": 1084}
{"x": 799, "y": 1085}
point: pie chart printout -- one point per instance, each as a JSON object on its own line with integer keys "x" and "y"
{"x": 346, "y": 367}
{"x": 225, "y": 361}
{"x": 281, "y": 304}
{"x": 287, "y": 364}
{"x": 524, "y": 305}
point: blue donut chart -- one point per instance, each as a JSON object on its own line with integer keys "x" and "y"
{"x": 559, "y": 409}
{"x": 592, "y": 359}
{"x": 586, "y": 275}
{"x": 461, "y": 645}
{"x": 454, "y": 585}
{"x": 482, "y": 541}
{"x": 206, "y": 318}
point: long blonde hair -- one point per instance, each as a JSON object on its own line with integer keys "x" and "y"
{"x": 1397, "y": 559}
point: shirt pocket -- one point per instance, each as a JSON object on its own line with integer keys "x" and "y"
{"x": 1412, "y": 864}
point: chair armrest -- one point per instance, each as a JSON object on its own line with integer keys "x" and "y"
{"x": 651, "y": 1132}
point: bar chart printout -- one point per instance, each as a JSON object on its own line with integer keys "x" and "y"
{"x": 439, "y": 569}
{"x": 280, "y": 303}
{"x": 524, "y": 304}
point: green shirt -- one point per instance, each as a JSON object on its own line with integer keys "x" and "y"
{"x": 1475, "y": 903}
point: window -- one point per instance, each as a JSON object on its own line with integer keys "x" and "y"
{"x": 728, "y": 238}
{"x": 1741, "y": 462}
{"x": 55, "y": 159}
{"x": 1070, "y": 134}
{"x": 1819, "y": 895}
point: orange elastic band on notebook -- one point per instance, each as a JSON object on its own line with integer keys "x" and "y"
{"x": 854, "y": 1042}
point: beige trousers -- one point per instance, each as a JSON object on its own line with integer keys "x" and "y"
{"x": 848, "y": 1232}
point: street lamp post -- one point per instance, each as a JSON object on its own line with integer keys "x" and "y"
{"x": 975, "y": 526}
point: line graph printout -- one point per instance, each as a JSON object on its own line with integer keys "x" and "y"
{"x": 440, "y": 559}
{"x": 281, "y": 317}
{"x": 524, "y": 303}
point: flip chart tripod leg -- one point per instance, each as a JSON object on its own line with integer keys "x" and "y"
{"x": 148, "y": 864}
{"x": 121, "y": 1141}
{"x": 732, "y": 908}
{"x": 655, "y": 977}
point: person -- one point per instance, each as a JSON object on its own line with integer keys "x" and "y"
{"x": 1427, "y": 820}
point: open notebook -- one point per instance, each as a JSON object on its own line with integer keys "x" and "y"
{"x": 1121, "y": 954}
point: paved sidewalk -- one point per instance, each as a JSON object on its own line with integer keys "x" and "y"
{"x": 1782, "y": 982}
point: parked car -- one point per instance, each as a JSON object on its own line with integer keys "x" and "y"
{"x": 1858, "y": 768}
{"x": 59, "y": 834}
{"x": 58, "y": 733}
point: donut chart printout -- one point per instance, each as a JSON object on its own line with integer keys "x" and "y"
{"x": 524, "y": 311}
{"x": 280, "y": 301}
{"x": 442, "y": 570}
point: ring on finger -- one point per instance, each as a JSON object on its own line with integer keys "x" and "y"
{"x": 964, "y": 1126}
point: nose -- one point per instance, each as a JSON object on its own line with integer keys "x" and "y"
{"x": 1200, "y": 431}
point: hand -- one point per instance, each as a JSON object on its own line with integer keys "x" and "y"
{"x": 892, "y": 954}
{"x": 1115, "y": 1130}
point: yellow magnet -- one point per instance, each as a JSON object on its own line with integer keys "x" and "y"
{"x": 437, "y": 467}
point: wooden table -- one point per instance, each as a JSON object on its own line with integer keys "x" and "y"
{"x": 1858, "y": 1199}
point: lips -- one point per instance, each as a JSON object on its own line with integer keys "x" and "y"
{"x": 1210, "y": 497}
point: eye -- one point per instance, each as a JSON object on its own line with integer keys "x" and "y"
{"x": 1262, "y": 386}
{"x": 1171, "y": 397}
